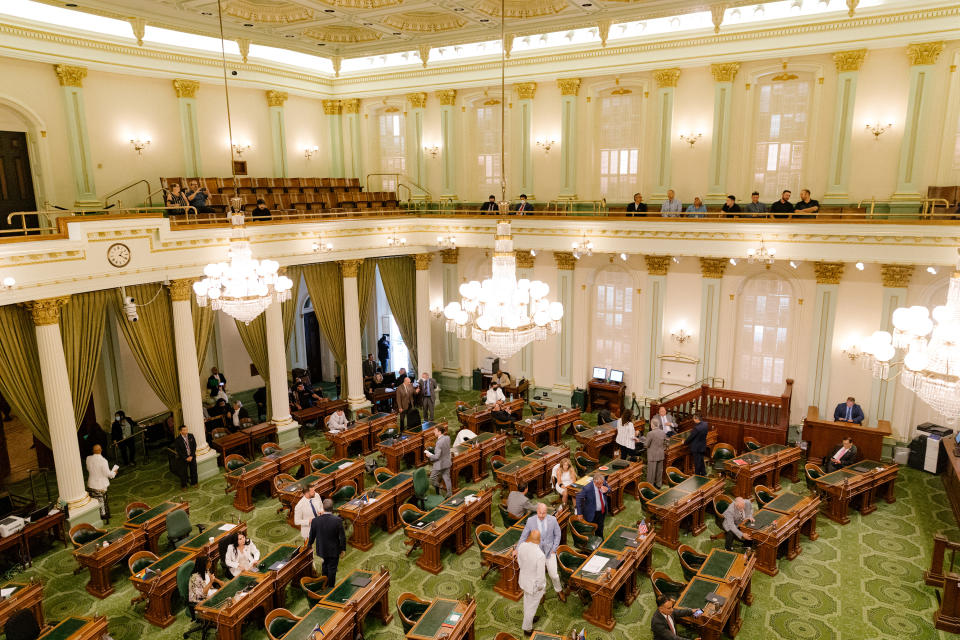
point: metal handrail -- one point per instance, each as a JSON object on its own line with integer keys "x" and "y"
{"x": 71, "y": 213}
{"x": 567, "y": 205}
{"x": 400, "y": 183}
{"x": 106, "y": 198}
{"x": 930, "y": 206}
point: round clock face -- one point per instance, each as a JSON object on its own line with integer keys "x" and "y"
{"x": 118, "y": 254}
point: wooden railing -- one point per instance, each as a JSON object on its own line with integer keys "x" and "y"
{"x": 947, "y": 617}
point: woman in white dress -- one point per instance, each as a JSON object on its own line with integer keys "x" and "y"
{"x": 627, "y": 436}
{"x": 563, "y": 476}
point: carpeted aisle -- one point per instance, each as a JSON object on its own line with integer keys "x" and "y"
{"x": 856, "y": 582}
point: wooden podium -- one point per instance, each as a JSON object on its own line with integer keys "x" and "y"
{"x": 605, "y": 394}
{"x": 823, "y": 435}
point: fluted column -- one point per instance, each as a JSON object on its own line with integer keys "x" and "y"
{"x": 71, "y": 82}
{"x": 724, "y": 74}
{"x": 332, "y": 109}
{"x": 657, "y": 267}
{"x": 351, "y": 331}
{"x": 424, "y": 347}
{"x": 525, "y": 270}
{"x": 188, "y": 375}
{"x": 666, "y": 86}
{"x": 186, "y": 91}
{"x": 448, "y": 157}
{"x": 848, "y": 65}
{"x": 563, "y": 381}
{"x": 60, "y": 416}
{"x": 418, "y": 103}
{"x": 450, "y": 376}
{"x": 351, "y": 120}
{"x": 825, "y": 312}
{"x": 712, "y": 270}
{"x": 569, "y": 89}
{"x": 524, "y": 145}
{"x": 913, "y": 145}
{"x": 896, "y": 279}
{"x": 278, "y": 130}
{"x": 277, "y": 361}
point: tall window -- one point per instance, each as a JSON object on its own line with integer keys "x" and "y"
{"x": 764, "y": 334}
{"x": 783, "y": 129}
{"x": 619, "y": 144}
{"x": 487, "y": 132}
{"x": 613, "y": 321}
{"x": 392, "y": 145}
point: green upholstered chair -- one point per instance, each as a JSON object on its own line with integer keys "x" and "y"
{"x": 675, "y": 476}
{"x": 136, "y": 508}
{"x": 382, "y": 474}
{"x": 234, "y": 462}
{"x": 411, "y": 609}
{"x": 84, "y": 532}
{"x": 183, "y": 588}
{"x": 268, "y": 448}
{"x": 140, "y": 561}
{"x": 344, "y": 494}
{"x": 584, "y": 535}
{"x": 179, "y": 527}
{"x": 537, "y": 409}
{"x": 648, "y": 491}
{"x": 313, "y": 588}
{"x": 812, "y": 472}
{"x": 278, "y": 622}
{"x": 720, "y": 504}
{"x": 421, "y": 489}
{"x": 508, "y": 520}
{"x": 720, "y": 454}
{"x": 690, "y": 560}
{"x": 663, "y": 585}
{"x": 387, "y": 433}
{"x": 752, "y": 444}
{"x": 568, "y": 561}
{"x": 763, "y": 494}
{"x": 580, "y": 426}
{"x": 527, "y": 447}
{"x": 319, "y": 461}
{"x": 485, "y": 534}
{"x": 584, "y": 463}
{"x": 409, "y": 513}
{"x": 496, "y": 462}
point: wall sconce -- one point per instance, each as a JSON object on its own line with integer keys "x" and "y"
{"x": 690, "y": 139}
{"x": 396, "y": 241}
{"x": 434, "y": 151}
{"x": 546, "y": 144}
{"x": 852, "y": 351}
{"x": 878, "y": 129}
{"x": 309, "y": 151}
{"x": 139, "y": 145}
{"x": 436, "y": 310}
{"x": 319, "y": 246}
{"x": 447, "y": 242}
{"x": 680, "y": 335}
{"x": 7, "y": 283}
{"x": 238, "y": 149}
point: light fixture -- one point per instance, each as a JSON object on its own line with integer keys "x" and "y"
{"x": 878, "y": 129}
{"x": 7, "y": 283}
{"x": 794, "y": 264}
{"x": 582, "y": 248}
{"x": 309, "y": 151}
{"x": 680, "y": 335}
{"x": 139, "y": 145}
{"x": 436, "y": 310}
{"x": 239, "y": 149}
{"x": 503, "y": 314}
{"x": 447, "y": 242}
{"x": 852, "y": 350}
{"x": 434, "y": 151}
{"x": 319, "y": 246}
{"x": 690, "y": 138}
{"x": 676, "y": 260}
{"x": 396, "y": 241}
{"x": 859, "y": 266}
{"x": 533, "y": 253}
{"x": 763, "y": 255}
{"x": 932, "y": 271}
{"x": 623, "y": 257}
{"x": 546, "y": 144}
{"x": 733, "y": 261}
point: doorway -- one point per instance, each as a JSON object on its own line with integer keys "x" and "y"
{"x": 16, "y": 183}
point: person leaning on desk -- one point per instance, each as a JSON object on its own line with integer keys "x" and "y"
{"x": 848, "y": 411}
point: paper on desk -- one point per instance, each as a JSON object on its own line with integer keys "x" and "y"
{"x": 6, "y": 593}
{"x": 344, "y": 465}
{"x": 226, "y": 527}
{"x": 595, "y": 565}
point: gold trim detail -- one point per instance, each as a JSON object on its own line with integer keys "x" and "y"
{"x": 348, "y": 268}
{"x": 185, "y": 88}
{"x": 524, "y": 259}
{"x": 725, "y": 71}
{"x": 657, "y": 265}
{"x": 828, "y": 272}
{"x": 565, "y": 260}
{"x": 332, "y": 107}
{"x": 896, "y": 275}
{"x": 243, "y": 44}
{"x": 276, "y": 98}
{"x": 139, "y": 27}
{"x": 849, "y": 60}
{"x": 713, "y": 267}
{"x": 181, "y": 289}
{"x": 417, "y": 100}
{"x": 424, "y": 21}
{"x": 603, "y": 30}
{"x": 716, "y": 15}
{"x": 569, "y": 86}
{"x": 449, "y": 256}
{"x": 341, "y": 33}
{"x": 70, "y": 76}
{"x": 522, "y": 8}
{"x": 276, "y": 13}
{"x": 526, "y": 90}
{"x": 924, "y": 52}
{"x": 447, "y": 97}
{"x": 423, "y": 261}
{"x": 363, "y": 4}
{"x": 47, "y": 310}
{"x": 666, "y": 77}
{"x": 350, "y": 105}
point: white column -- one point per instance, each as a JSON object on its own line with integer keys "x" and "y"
{"x": 189, "y": 129}
{"x": 418, "y": 102}
{"x": 60, "y": 416}
{"x": 828, "y": 286}
{"x": 448, "y": 157}
{"x": 848, "y": 69}
{"x": 896, "y": 278}
{"x": 287, "y": 434}
{"x": 351, "y": 330}
{"x": 656, "y": 294}
{"x": 333, "y": 109}
{"x": 424, "y": 346}
{"x": 666, "y": 86}
{"x": 563, "y": 381}
{"x": 524, "y": 145}
{"x": 525, "y": 270}
{"x": 278, "y": 131}
{"x": 188, "y": 375}
{"x": 712, "y": 270}
{"x": 569, "y": 88}
{"x": 724, "y": 74}
{"x": 450, "y": 376}
{"x": 351, "y": 120}
{"x": 71, "y": 81}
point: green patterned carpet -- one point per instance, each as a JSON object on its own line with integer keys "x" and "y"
{"x": 863, "y": 580}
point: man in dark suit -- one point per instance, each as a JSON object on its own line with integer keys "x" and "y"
{"x": 186, "y": 447}
{"x": 637, "y": 206}
{"x": 523, "y": 207}
{"x": 369, "y": 366}
{"x": 383, "y": 351}
{"x": 428, "y": 395}
{"x": 662, "y": 623}
{"x": 593, "y": 502}
{"x": 848, "y": 411}
{"x": 331, "y": 543}
{"x": 490, "y": 206}
{"x": 697, "y": 441}
{"x": 843, "y": 454}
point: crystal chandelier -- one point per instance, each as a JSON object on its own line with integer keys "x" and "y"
{"x": 931, "y": 362}
{"x": 763, "y": 255}
{"x": 242, "y": 287}
{"x": 582, "y": 248}
{"x": 503, "y": 314}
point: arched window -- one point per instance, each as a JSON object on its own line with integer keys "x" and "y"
{"x": 391, "y": 143}
{"x": 764, "y": 334}
{"x": 619, "y": 144}
{"x": 613, "y": 321}
{"x": 783, "y": 133}
{"x": 487, "y": 135}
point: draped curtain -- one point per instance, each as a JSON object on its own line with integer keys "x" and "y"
{"x": 202, "y": 329}
{"x": 325, "y": 286}
{"x": 254, "y": 338}
{"x": 20, "y": 380}
{"x": 366, "y": 284}
{"x": 399, "y": 277}
{"x": 82, "y": 326}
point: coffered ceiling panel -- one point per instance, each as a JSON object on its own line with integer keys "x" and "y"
{"x": 268, "y": 11}
{"x": 522, "y": 9}
{"x": 424, "y": 21}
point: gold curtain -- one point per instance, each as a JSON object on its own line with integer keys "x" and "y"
{"x": 82, "y": 326}
{"x": 202, "y": 328}
{"x": 254, "y": 338}
{"x": 366, "y": 283}
{"x": 151, "y": 339}
{"x": 399, "y": 277}
{"x": 20, "y": 380}
{"x": 325, "y": 286}
{"x": 289, "y": 308}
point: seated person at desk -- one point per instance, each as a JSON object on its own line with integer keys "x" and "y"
{"x": 637, "y": 206}
{"x": 241, "y": 418}
{"x": 494, "y": 394}
{"x": 562, "y": 476}
{"x": 337, "y": 421}
{"x": 307, "y": 398}
{"x": 490, "y": 205}
{"x": 662, "y": 623}
{"x": 740, "y": 510}
{"x": 202, "y": 583}
{"x": 605, "y": 416}
{"x": 242, "y": 556}
{"x": 665, "y": 421}
{"x": 499, "y": 412}
{"x": 843, "y": 454}
{"x": 219, "y": 409}
{"x": 464, "y": 435}
{"x": 518, "y": 504}
{"x": 501, "y": 378}
{"x": 848, "y": 411}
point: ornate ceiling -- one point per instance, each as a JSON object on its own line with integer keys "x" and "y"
{"x": 355, "y": 28}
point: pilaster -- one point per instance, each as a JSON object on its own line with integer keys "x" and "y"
{"x": 450, "y": 375}
{"x": 418, "y": 103}
{"x": 569, "y": 89}
{"x": 712, "y": 270}
{"x": 186, "y": 91}
{"x": 526, "y": 91}
{"x": 896, "y": 279}
{"x": 666, "y": 87}
{"x": 351, "y": 329}
{"x": 724, "y": 74}
{"x": 828, "y": 276}
{"x": 448, "y": 158}
{"x": 333, "y": 110}
{"x": 657, "y": 267}
{"x": 525, "y": 263}
{"x": 351, "y": 120}
{"x": 71, "y": 84}
{"x": 424, "y": 328}
{"x": 278, "y": 130}
{"x": 848, "y": 65}
{"x": 563, "y": 381}
{"x": 287, "y": 427}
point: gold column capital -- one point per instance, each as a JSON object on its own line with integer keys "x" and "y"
{"x": 713, "y": 267}
{"x": 565, "y": 260}
{"x": 423, "y": 261}
{"x": 351, "y": 105}
{"x": 526, "y": 90}
{"x": 332, "y": 107}
{"x": 657, "y": 265}
{"x": 569, "y": 86}
{"x": 181, "y": 289}
{"x": 349, "y": 268}
{"x": 186, "y": 88}
{"x": 450, "y": 256}
{"x": 924, "y": 52}
{"x": 828, "y": 272}
{"x": 70, "y": 76}
{"x": 447, "y": 97}
{"x": 524, "y": 259}
{"x": 417, "y": 100}
{"x": 896, "y": 275}
{"x": 666, "y": 77}
{"x": 849, "y": 60}
{"x": 725, "y": 71}
{"x": 276, "y": 98}
{"x": 46, "y": 311}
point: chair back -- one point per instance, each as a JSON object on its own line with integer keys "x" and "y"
{"x": 528, "y": 447}
{"x": 752, "y": 444}
{"x": 319, "y": 461}
{"x": 568, "y": 560}
{"x": 140, "y": 561}
{"x": 648, "y": 491}
{"x": 663, "y": 585}
{"x": 136, "y": 508}
{"x": 382, "y": 474}
{"x": 178, "y": 524}
{"x": 84, "y": 532}
{"x": 313, "y": 587}
{"x": 723, "y": 452}
{"x": 411, "y": 609}
{"x": 421, "y": 483}
{"x": 409, "y": 513}
{"x": 234, "y": 462}
{"x": 812, "y": 470}
{"x": 281, "y": 481}
{"x": 579, "y": 426}
{"x": 584, "y": 463}
{"x": 675, "y": 476}
{"x": 268, "y": 448}
{"x": 183, "y": 581}
{"x": 344, "y": 494}
{"x": 720, "y": 504}
{"x": 279, "y": 622}
{"x": 763, "y": 494}
{"x": 22, "y": 625}
{"x": 508, "y": 520}
{"x": 485, "y": 534}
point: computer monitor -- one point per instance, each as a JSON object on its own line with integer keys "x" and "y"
{"x": 600, "y": 373}
{"x": 616, "y": 375}
{"x": 958, "y": 437}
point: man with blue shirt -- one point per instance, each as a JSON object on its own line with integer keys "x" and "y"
{"x": 671, "y": 207}
{"x": 848, "y": 411}
{"x": 550, "y": 535}
{"x": 697, "y": 209}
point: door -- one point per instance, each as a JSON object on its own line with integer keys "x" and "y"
{"x": 16, "y": 184}
{"x": 314, "y": 346}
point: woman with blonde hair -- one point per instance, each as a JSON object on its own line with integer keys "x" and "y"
{"x": 561, "y": 477}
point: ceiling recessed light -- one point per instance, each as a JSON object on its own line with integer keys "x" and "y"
{"x": 396, "y": 33}
{"x": 328, "y": 11}
{"x": 458, "y": 8}
{"x": 368, "y": 24}
{"x": 586, "y": 4}
{"x": 248, "y": 24}
{"x": 289, "y": 35}
{"x": 484, "y": 20}
{"x": 859, "y": 266}
{"x": 70, "y": 4}
{"x": 321, "y": 44}
{"x": 206, "y": 13}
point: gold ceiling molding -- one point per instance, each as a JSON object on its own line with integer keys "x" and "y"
{"x": 424, "y": 21}
{"x": 725, "y": 71}
{"x": 849, "y": 60}
{"x": 363, "y": 4}
{"x": 717, "y": 12}
{"x": 417, "y": 100}
{"x": 569, "y": 86}
{"x": 521, "y": 8}
{"x": 139, "y": 27}
{"x": 70, "y": 76}
{"x": 666, "y": 77}
{"x": 449, "y": 256}
{"x": 524, "y": 259}
{"x": 526, "y": 90}
{"x": 657, "y": 265}
{"x": 422, "y": 261}
{"x": 447, "y": 97}
{"x": 332, "y": 107}
{"x": 852, "y": 7}
{"x": 243, "y": 44}
{"x": 349, "y": 268}
{"x": 828, "y": 272}
{"x": 896, "y": 275}
{"x": 343, "y": 34}
{"x": 424, "y": 51}
{"x": 46, "y": 311}
{"x": 186, "y": 88}
{"x": 276, "y": 98}
{"x": 181, "y": 289}
{"x": 713, "y": 267}
{"x": 351, "y": 105}
{"x": 924, "y": 53}
{"x": 565, "y": 260}
{"x": 269, "y": 12}
{"x": 603, "y": 30}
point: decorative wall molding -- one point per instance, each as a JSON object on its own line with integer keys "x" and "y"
{"x": 526, "y": 90}
{"x": 565, "y": 260}
{"x": 181, "y": 289}
{"x": 185, "y": 88}
{"x": 569, "y": 86}
{"x": 423, "y": 260}
{"x": 713, "y": 267}
{"x": 896, "y": 275}
{"x": 447, "y": 97}
{"x": 924, "y": 53}
{"x": 417, "y": 100}
{"x": 349, "y": 268}
{"x": 276, "y": 98}
{"x": 725, "y": 71}
{"x": 332, "y": 107}
{"x": 828, "y": 272}
{"x": 70, "y": 76}
{"x": 666, "y": 77}
{"x": 849, "y": 60}
{"x": 657, "y": 265}
{"x": 47, "y": 310}
{"x": 449, "y": 256}
{"x": 524, "y": 259}
{"x": 350, "y": 105}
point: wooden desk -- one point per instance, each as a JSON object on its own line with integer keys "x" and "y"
{"x": 824, "y": 435}
{"x": 237, "y": 442}
{"x": 858, "y": 483}
{"x": 202, "y": 542}
{"x": 243, "y": 479}
{"x": 550, "y": 456}
{"x": 604, "y": 585}
{"x": 765, "y": 462}
{"x": 287, "y": 459}
{"x": 460, "y": 613}
{"x": 293, "y": 562}
{"x": 619, "y": 474}
{"x": 479, "y": 418}
{"x": 728, "y": 574}
{"x": 490, "y": 444}
{"x": 101, "y": 555}
{"x": 359, "y": 432}
{"x": 55, "y": 523}
{"x": 605, "y": 394}
{"x": 464, "y": 457}
{"x": 499, "y": 555}
{"x": 381, "y": 503}
{"x": 805, "y": 508}
{"x": 227, "y": 612}
{"x": 549, "y": 426}
{"x": 375, "y": 596}
{"x": 689, "y": 499}
{"x": 157, "y": 584}
{"x": 771, "y": 530}
{"x": 432, "y": 530}
{"x": 334, "y": 624}
{"x": 26, "y": 595}
{"x": 383, "y": 399}
{"x": 475, "y": 505}
{"x": 74, "y": 628}
{"x": 595, "y": 439}
{"x": 319, "y": 412}
{"x": 677, "y": 453}
{"x": 153, "y": 522}
{"x": 338, "y": 473}
{"x": 519, "y": 389}
{"x": 260, "y": 433}
{"x": 408, "y": 446}
{"x": 522, "y": 472}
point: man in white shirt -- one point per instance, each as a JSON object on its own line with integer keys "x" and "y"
{"x": 549, "y": 531}
{"x": 99, "y": 474}
{"x": 242, "y": 556}
{"x": 665, "y": 421}
{"x": 495, "y": 394}
{"x": 462, "y": 436}
{"x": 337, "y": 422}
{"x": 532, "y": 579}
{"x": 308, "y": 508}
